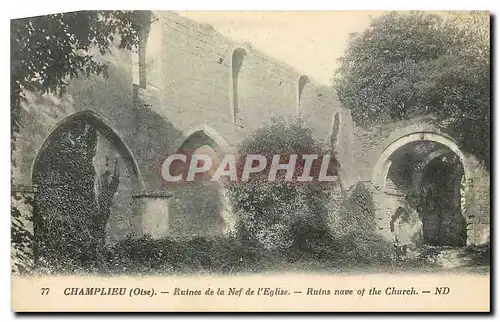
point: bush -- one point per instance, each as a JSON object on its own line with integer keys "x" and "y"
{"x": 278, "y": 215}
{"x": 197, "y": 255}
{"x": 479, "y": 255}
{"x": 355, "y": 229}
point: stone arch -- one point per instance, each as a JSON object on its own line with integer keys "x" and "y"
{"x": 383, "y": 164}
{"x": 237, "y": 58}
{"x": 85, "y": 178}
{"x": 432, "y": 156}
{"x": 200, "y": 207}
{"x": 301, "y": 84}
{"x": 444, "y": 225}
{"x": 102, "y": 125}
{"x": 205, "y": 131}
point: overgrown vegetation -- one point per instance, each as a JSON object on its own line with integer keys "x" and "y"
{"x": 279, "y": 214}
{"x": 479, "y": 255}
{"x": 46, "y": 53}
{"x": 282, "y": 224}
{"x": 355, "y": 229}
{"x": 409, "y": 64}
{"x": 404, "y": 65}
{"x": 71, "y": 217}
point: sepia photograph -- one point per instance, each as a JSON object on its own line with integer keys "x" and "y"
{"x": 268, "y": 147}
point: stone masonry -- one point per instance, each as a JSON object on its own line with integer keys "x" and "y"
{"x": 189, "y": 84}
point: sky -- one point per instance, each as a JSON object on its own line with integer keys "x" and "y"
{"x": 310, "y": 41}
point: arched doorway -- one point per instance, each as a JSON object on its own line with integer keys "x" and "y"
{"x": 85, "y": 178}
{"x": 199, "y": 207}
{"x": 426, "y": 172}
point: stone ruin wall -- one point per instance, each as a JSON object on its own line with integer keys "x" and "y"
{"x": 181, "y": 82}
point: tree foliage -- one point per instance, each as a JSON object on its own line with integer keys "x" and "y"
{"x": 279, "y": 214}
{"x": 46, "y": 53}
{"x": 414, "y": 63}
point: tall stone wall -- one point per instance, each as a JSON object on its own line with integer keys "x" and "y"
{"x": 195, "y": 85}
{"x": 181, "y": 83}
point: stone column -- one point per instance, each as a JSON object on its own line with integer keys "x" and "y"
{"x": 227, "y": 213}
{"x": 478, "y": 209}
{"x": 152, "y": 213}
{"x": 22, "y": 237}
{"x": 477, "y": 202}
{"x": 457, "y": 182}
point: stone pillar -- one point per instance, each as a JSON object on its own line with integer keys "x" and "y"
{"x": 478, "y": 210}
{"x": 227, "y": 214}
{"x": 22, "y": 228}
{"x": 152, "y": 213}
{"x": 477, "y": 203}
{"x": 457, "y": 198}
{"x": 469, "y": 211}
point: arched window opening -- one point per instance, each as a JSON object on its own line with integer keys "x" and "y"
{"x": 236, "y": 65}
{"x": 335, "y": 132}
{"x": 303, "y": 80}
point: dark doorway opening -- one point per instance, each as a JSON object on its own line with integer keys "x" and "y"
{"x": 431, "y": 175}
{"x": 441, "y": 213}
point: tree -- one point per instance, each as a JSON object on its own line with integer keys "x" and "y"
{"x": 48, "y": 51}
{"x": 280, "y": 214}
{"x": 414, "y": 63}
